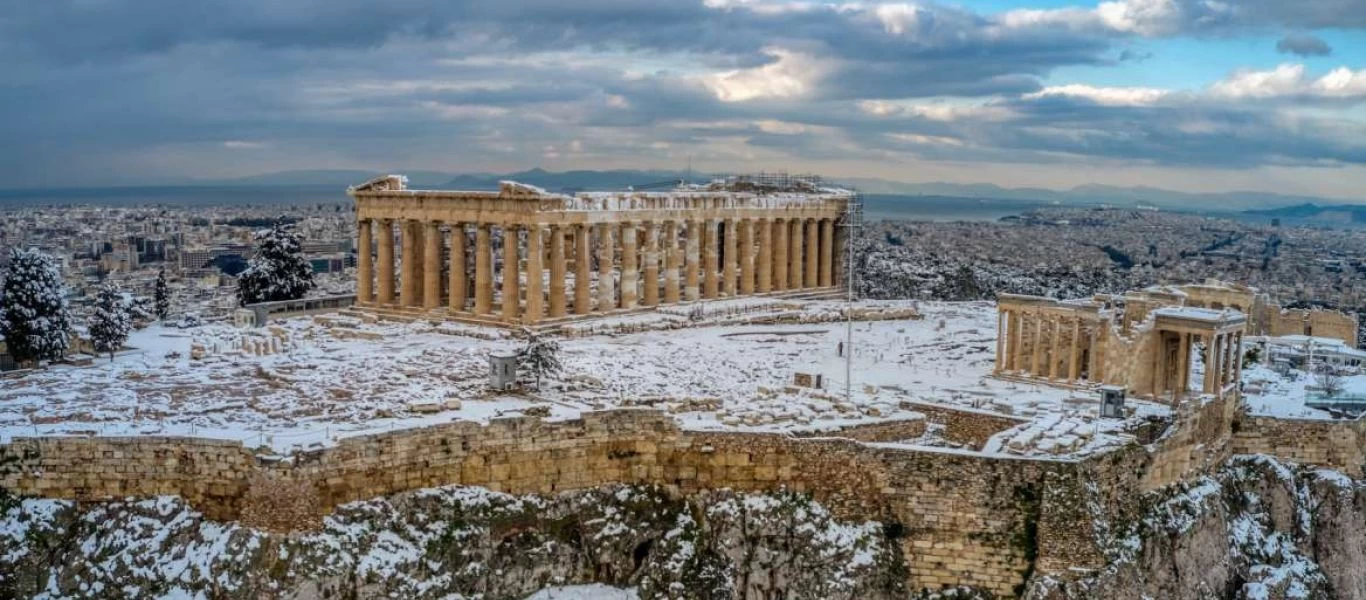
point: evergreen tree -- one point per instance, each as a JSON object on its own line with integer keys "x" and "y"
{"x": 539, "y": 358}
{"x": 278, "y": 271}
{"x": 33, "y": 316}
{"x": 109, "y": 324}
{"x": 161, "y": 297}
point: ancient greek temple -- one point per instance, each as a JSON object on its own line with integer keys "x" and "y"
{"x": 1149, "y": 348}
{"x": 521, "y": 255}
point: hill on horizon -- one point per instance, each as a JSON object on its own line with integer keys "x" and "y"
{"x": 620, "y": 179}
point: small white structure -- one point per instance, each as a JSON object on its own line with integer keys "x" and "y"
{"x": 1307, "y": 349}
{"x": 502, "y": 370}
{"x": 1112, "y": 401}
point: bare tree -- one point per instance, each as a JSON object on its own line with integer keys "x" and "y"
{"x": 1328, "y": 380}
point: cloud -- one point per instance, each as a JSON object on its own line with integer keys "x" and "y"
{"x": 1167, "y": 18}
{"x": 1303, "y": 44}
{"x": 236, "y": 86}
{"x": 1289, "y": 81}
{"x": 1105, "y": 96}
{"x": 789, "y": 75}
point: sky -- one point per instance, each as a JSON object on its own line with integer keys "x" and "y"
{"x": 1192, "y": 95}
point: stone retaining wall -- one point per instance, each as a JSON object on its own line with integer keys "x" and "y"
{"x": 962, "y": 518}
{"x": 1336, "y": 444}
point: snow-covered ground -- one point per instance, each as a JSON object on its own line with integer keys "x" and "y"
{"x": 311, "y": 382}
{"x": 1283, "y": 394}
{"x": 594, "y": 591}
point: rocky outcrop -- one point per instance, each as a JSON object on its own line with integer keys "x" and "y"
{"x": 1255, "y": 529}
{"x": 454, "y": 541}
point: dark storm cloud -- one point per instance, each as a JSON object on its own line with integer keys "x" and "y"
{"x": 1303, "y": 44}
{"x": 367, "y": 81}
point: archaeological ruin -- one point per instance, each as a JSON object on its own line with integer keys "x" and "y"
{"x": 1145, "y": 340}
{"x": 433, "y": 252}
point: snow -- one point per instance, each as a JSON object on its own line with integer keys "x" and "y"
{"x": 594, "y": 591}
{"x": 305, "y": 382}
{"x": 1270, "y": 393}
{"x": 1197, "y": 314}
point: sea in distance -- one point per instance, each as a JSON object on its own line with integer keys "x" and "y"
{"x": 876, "y": 206}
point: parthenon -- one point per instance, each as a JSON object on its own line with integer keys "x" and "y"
{"x": 433, "y": 252}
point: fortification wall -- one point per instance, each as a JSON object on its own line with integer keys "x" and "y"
{"x": 962, "y": 518}
{"x": 1320, "y": 323}
{"x": 1335, "y": 444}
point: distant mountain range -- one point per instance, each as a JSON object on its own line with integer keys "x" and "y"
{"x": 571, "y": 181}
{"x": 1337, "y": 213}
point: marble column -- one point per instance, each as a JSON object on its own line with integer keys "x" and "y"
{"x": 512, "y": 303}
{"x": 746, "y": 232}
{"x": 457, "y": 279}
{"x": 692, "y": 269}
{"x": 765, "y": 264}
{"x": 483, "y": 269}
{"x": 710, "y": 285}
{"x": 841, "y": 258}
{"x": 1209, "y": 384}
{"x": 813, "y": 246}
{"x": 1235, "y": 362}
{"x": 671, "y": 261}
{"x": 419, "y": 269}
{"x": 557, "y": 272}
{"x": 630, "y": 269}
{"x": 386, "y": 261}
{"x": 827, "y": 257}
{"x": 408, "y": 274}
{"x": 729, "y": 261}
{"x": 795, "y": 269}
{"x": 1183, "y": 364}
{"x": 1000, "y": 341}
{"x": 780, "y": 248}
{"x": 1017, "y": 328}
{"x": 1074, "y": 355}
{"x": 651, "y": 283}
{"x": 535, "y": 275}
{"x": 1055, "y": 346}
{"x": 1034, "y": 368}
{"x": 364, "y": 263}
{"x": 1237, "y": 377}
{"x": 607, "y": 285}
{"x": 431, "y": 265}
{"x": 583, "y": 279}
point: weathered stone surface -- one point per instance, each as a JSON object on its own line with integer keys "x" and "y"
{"x": 456, "y": 541}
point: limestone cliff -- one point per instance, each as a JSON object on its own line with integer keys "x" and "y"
{"x": 453, "y": 542}
{"x": 1255, "y": 529}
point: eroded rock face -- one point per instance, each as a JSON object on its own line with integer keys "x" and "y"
{"x": 449, "y": 541}
{"x": 1257, "y": 529}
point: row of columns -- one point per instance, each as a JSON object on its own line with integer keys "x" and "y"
{"x": 1223, "y": 361}
{"x": 717, "y": 258}
{"x": 1032, "y": 343}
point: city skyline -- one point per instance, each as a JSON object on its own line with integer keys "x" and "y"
{"x": 1182, "y": 95}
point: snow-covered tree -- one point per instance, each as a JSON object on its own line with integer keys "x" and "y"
{"x": 161, "y": 296}
{"x": 539, "y": 358}
{"x": 278, "y": 271}
{"x": 109, "y": 324}
{"x": 33, "y": 316}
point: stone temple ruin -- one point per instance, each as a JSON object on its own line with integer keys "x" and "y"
{"x": 593, "y": 253}
{"x": 1145, "y": 340}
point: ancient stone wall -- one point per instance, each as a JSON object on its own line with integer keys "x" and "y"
{"x": 962, "y": 426}
{"x": 1319, "y": 323}
{"x": 1198, "y": 440}
{"x": 962, "y": 518}
{"x": 1336, "y": 444}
